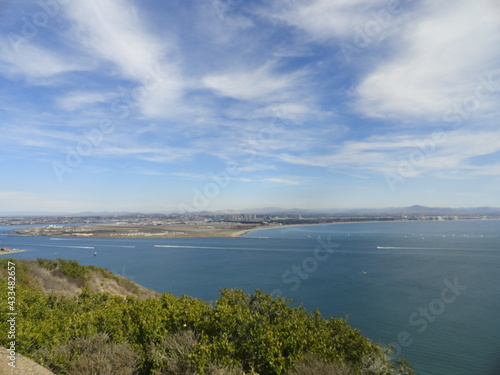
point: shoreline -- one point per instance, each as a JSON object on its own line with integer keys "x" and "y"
{"x": 180, "y": 230}
{"x": 362, "y": 222}
{"x": 3, "y": 252}
{"x": 143, "y": 232}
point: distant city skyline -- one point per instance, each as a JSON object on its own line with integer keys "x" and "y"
{"x": 169, "y": 106}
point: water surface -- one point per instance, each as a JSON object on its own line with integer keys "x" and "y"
{"x": 387, "y": 278}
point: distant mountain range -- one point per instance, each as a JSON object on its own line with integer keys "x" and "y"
{"x": 413, "y": 210}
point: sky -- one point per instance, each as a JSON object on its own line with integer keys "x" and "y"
{"x": 178, "y": 106}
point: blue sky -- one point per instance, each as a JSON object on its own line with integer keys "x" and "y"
{"x": 161, "y": 106}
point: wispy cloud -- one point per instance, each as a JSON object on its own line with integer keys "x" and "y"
{"x": 32, "y": 62}
{"x": 207, "y": 177}
{"x": 79, "y": 99}
{"x": 251, "y": 84}
{"x": 381, "y": 154}
{"x": 112, "y": 31}
{"x": 325, "y": 20}
{"x": 282, "y": 181}
{"x": 437, "y": 61}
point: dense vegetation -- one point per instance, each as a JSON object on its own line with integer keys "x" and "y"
{"x": 100, "y": 333}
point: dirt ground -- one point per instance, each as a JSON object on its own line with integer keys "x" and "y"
{"x": 23, "y": 365}
{"x": 142, "y": 231}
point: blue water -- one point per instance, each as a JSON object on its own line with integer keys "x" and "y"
{"x": 392, "y": 280}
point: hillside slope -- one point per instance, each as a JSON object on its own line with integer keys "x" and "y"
{"x": 68, "y": 278}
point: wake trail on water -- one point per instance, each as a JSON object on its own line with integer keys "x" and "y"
{"x": 415, "y": 248}
{"x": 75, "y": 247}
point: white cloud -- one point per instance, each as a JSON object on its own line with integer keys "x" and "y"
{"x": 156, "y": 154}
{"x": 77, "y": 100}
{"x": 436, "y": 62}
{"x": 113, "y": 32}
{"x": 112, "y": 29}
{"x": 207, "y": 177}
{"x": 256, "y": 84}
{"x": 282, "y": 181}
{"x": 256, "y": 167}
{"x": 31, "y": 61}
{"x": 453, "y": 154}
{"x": 325, "y": 20}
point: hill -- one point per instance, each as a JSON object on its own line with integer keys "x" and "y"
{"x": 68, "y": 278}
{"x": 84, "y": 320}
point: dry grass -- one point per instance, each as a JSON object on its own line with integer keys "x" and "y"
{"x": 315, "y": 366}
{"x": 217, "y": 370}
{"x": 97, "y": 279}
{"x": 52, "y": 283}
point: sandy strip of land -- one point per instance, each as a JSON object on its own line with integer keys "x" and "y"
{"x": 7, "y": 252}
{"x": 142, "y": 231}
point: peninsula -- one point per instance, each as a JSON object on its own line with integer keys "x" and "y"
{"x": 8, "y": 251}
{"x": 141, "y": 231}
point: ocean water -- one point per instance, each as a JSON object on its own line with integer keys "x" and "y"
{"x": 432, "y": 289}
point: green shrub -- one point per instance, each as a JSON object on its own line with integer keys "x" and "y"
{"x": 48, "y": 264}
{"x": 72, "y": 268}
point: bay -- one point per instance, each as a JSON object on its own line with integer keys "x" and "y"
{"x": 431, "y": 288}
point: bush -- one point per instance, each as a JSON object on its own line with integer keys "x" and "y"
{"x": 95, "y": 355}
{"x": 72, "y": 268}
{"x": 173, "y": 355}
{"x": 48, "y": 264}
